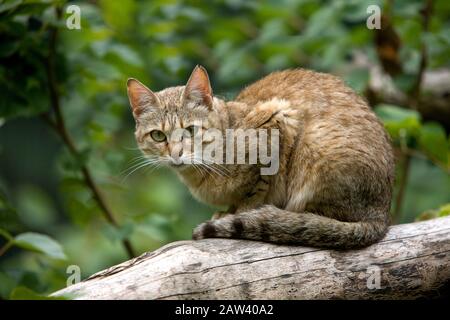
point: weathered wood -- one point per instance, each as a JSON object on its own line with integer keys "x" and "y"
{"x": 412, "y": 261}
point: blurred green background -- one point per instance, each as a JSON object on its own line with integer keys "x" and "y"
{"x": 64, "y": 113}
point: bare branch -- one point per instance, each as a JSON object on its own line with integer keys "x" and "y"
{"x": 60, "y": 128}
{"x": 412, "y": 261}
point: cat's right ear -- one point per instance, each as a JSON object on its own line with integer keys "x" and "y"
{"x": 141, "y": 97}
{"x": 198, "y": 87}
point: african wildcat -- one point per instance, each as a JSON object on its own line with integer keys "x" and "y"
{"x": 334, "y": 183}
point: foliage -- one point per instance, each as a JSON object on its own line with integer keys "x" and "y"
{"x": 409, "y": 133}
{"x": 435, "y": 213}
{"x": 49, "y": 217}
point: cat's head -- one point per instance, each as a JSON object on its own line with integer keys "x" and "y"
{"x": 168, "y": 120}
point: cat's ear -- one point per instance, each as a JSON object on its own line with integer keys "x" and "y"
{"x": 141, "y": 97}
{"x": 198, "y": 87}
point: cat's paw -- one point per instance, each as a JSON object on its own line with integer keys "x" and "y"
{"x": 221, "y": 228}
{"x": 204, "y": 230}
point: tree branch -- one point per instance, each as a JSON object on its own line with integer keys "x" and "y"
{"x": 412, "y": 261}
{"x": 416, "y": 90}
{"x": 430, "y": 92}
{"x": 60, "y": 128}
{"x": 414, "y": 97}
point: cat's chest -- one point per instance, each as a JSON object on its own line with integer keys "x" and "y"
{"x": 219, "y": 190}
{"x": 216, "y": 192}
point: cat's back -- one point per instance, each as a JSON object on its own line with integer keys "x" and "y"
{"x": 326, "y": 106}
{"x": 292, "y": 85}
{"x": 334, "y": 121}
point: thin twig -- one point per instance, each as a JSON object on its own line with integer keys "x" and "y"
{"x": 402, "y": 187}
{"x": 426, "y": 156}
{"x": 5, "y": 248}
{"x": 414, "y": 97}
{"x": 60, "y": 127}
{"x": 9, "y": 241}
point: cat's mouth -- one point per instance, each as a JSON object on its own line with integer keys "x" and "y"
{"x": 178, "y": 166}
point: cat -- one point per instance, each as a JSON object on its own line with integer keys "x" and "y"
{"x": 333, "y": 187}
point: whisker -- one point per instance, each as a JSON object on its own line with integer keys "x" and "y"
{"x": 210, "y": 166}
{"x": 218, "y": 166}
{"x": 137, "y": 159}
{"x": 142, "y": 165}
{"x": 131, "y": 148}
{"x": 215, "y": 170}
{"x": 224, "y": 171}
{"x": 146, "y": 162}
{"x": 198, "y": 169}
{"x": 153, "y": 167}
{"x": 138, "y": 164}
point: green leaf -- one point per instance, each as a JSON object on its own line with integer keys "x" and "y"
{"x": 119, "y": 14}
{"x": 427, "y": 215}
{"x": 119, "y": 233}
{"x": 5, "y": 234}
{"x": 78, "y": 201}
{"x": 433, "y": 141}
{"x": 404, "y": 82}
{"x": 401, "y": 123}
{"x": 127, "y": 54}
{"x": 10, "y": 5}
{"x": 40, "y": 243}
{"x": 23, "y": 293}
{"x": 35, "y": 207}
{"x": 392, "y": 113}
{"x": 444, "y": 210}
{"x": 157, "y": 226}
{"x": 358, "y": 79}
{"x": 322, "y": 20}
{"x": 9, "y": 219}
{"x": 7, "y": 285}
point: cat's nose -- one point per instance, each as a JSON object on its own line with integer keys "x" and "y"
{"x": 175, "y": 156}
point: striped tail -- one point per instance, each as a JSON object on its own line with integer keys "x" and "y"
{"x": 271, "y": 224}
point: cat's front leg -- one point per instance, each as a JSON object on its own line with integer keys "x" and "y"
{"x": 221, "y": 214}
{"x": 254, "y": 199}
{"x": 200, "y": 229}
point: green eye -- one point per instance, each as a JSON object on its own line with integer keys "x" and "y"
{"x": 192, "y": 130}
{"x": 158, "y": 135}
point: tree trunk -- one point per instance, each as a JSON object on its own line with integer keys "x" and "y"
{"x": 412, "y": 261}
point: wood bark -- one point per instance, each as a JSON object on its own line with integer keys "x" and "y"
{"x": 412, "y": 261}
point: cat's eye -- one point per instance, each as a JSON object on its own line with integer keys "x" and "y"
{"x": 192, "y": 130}
{"x": 158, "y": 135}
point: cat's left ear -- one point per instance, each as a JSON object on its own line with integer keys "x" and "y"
{"x": 198, "y": 87}
{"x": 141, "y": 97}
